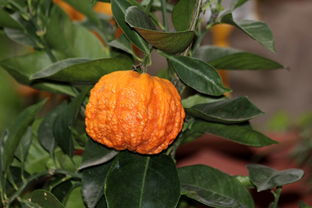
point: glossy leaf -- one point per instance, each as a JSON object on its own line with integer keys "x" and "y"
{"x": 199, "y": 99}
{"x": 119, "y": 8}
{"x": 45, "y": 131}
{"x": 16, "y": 132}
{"x": 142, "y": 181}
{"x": 43, "y": 199}
{"x": 63, "y": 122}
{"x": 264, "y": 177}
{"x": 172, "y": 43}
{"x": 242, "y": 134}
{"x": 235, "y": 110}
{"x": 72, "y": 39}
{"x": 257, "y": 30}
{"x": 77, "y": 70}
{"x": 213, "y": 187}
{"x": 96, "y": 154}
{"x": 7, "y": 21}
{"x": 198, "y": 75}
{"x": 92, "y": 184}
{"x": 183, "y": 14}
{"x": 228, "y": 58}
{"x": 61, "y": 190}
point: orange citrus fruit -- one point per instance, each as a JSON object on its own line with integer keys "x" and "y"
{"x": 133, "y": 111}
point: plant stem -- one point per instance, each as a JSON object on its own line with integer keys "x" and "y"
{"x": 277, "y": 194}
{"x": 164, "y": 16}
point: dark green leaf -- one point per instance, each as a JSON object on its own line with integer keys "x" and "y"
{"x": 96, "y": 154}
{"x": 119, "y": 8}
{"x": 198, "y": 75}
{"x": 43, "y": 199}
{"x": 7, "y": 21}
{"x": 16, "y": 132}
{"x": 228, "y": 58}
{"x": 172, "y": 43}
{"x": 235, "y": 110}
{"x": 183, "y": 14}
{"x": 137, "y": 18}
{"x": 92, "y": 184}
{"x": 264, "y": 177}
{"x": 142, "y": 181}
{"x": 198, "y": 99}
{"x": 63, "y": 122}
{"x": 72, "y": 39}
{"x": 258, "y": 31}
{"x": 79, "y": 70}
{"x": 61, "y": 190}
{"x": 213, "y": 187}
{"x": 242, "y": 134}
{"x": 24, "y": 145}
{"x": 45, "y": 131}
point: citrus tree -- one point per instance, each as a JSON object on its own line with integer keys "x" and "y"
{"x": 49, "y": 159}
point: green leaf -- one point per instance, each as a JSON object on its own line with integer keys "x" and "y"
{"x": 43, "y": 199}
{"x": 55, "y": 88}
{"x": 199, "y": 99}
{"x": 7, "y": 21}
{"x": 257, "y": 30}
{"x": 213, "y": 187}
{"x": 264, "y": 177}
{"x": 96, "y": 154}
{"x": 61, "y": 190}
{"x": 24, "y": 145}
{"x": 238, "y": 3}
{"x": 72, "y": 39}
{"x": 232, "y": 59}
{"x": 198, "y": 75}
{"x": 122, "y": 43}
{"x": 80, "y": 70}
{"x": 235, "y": 110}
{"x": 142, "y": 181}
{"x": 183, "y": 14}
{"x": 119, "y": 8}
{"x": 75, "y": 199}
{"x": 170, "y": 42}
{"x": 65, "y": 119}
{"x": 37, "y": 157}
{"x": 242, "y": 134}
{"x": 92, "y": 184}
{"x": 16, "y": 132}
{"x": 23, "y": 67}
{"x": 45, "y": 131}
